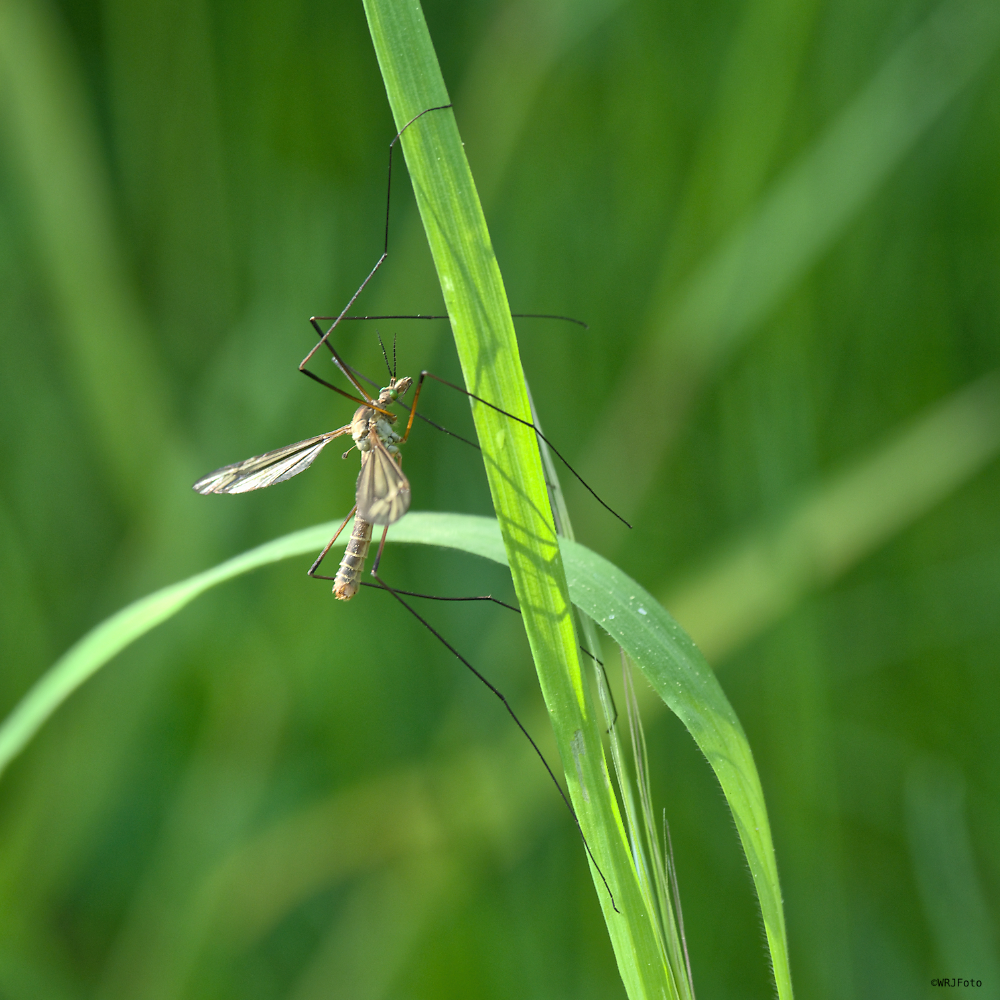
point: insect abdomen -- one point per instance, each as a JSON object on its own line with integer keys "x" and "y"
{"x": 346, "y": 584}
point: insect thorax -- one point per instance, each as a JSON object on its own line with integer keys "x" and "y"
{"x": 366, "y": 418}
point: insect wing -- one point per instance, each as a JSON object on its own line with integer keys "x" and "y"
{"x": 383, "y": 491}
{"x": 266, "y": 470}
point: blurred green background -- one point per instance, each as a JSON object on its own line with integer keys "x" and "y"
{"x": 780, "y": 218}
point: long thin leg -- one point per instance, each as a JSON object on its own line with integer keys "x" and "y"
{"x": 509, "y": 607}
{"x": 607, "y": 687}
{"x": 440, "y": 427}
{"x": 451, "y": 649}
{"x": 342, "y": 365}
{"x": 348, "y": 319}
{"x": 435, "y": 597}
{"x": 324, "y": 339}
{"x": 329, "y": 545}
{"x": 378, "y": 555}
{"x": 364, "y": 402}
{"x": 527, "y": 423}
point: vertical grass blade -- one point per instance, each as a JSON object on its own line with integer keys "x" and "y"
{"x": 50, "y": 138}
{"x": 646, "y": 856}
{"x": 484, "y": 336}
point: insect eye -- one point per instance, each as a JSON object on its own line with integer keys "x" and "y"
{"x": 393, "y": 394}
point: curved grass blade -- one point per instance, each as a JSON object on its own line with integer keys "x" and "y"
{"x": 102, "y": 643}
{"x": 656, "y": 643}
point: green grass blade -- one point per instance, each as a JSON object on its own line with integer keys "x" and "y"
{"x": 810, "y": 205}
{"x": 51, "y": 137}
{"x": 645, "y": 849}
{"x": 754, "y": 267}
{"x": 677, "y": 670}
{"x": 105, "y": 641}
{"x": 487, "y": 349}
{"x": 758, "y": 579}
{"x": 656, "y": 643}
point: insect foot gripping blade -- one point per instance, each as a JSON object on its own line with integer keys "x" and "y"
{"x": 345, "y": 584}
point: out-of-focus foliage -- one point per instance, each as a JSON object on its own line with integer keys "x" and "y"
{"x": 781, "y": 220}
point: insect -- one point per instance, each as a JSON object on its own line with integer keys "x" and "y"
{"x": 383, "y": 491}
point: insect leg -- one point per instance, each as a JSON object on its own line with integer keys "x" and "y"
{"x": 354, "y": 374}
{"x": 413, "y": 406}
{"x": 527, "y": 423}
{"x": 436, "y": 426}
{"x": 436, "y": 597}
{"x": 315, "y": 566}
{"x": 451, "y": 649}
{"x": 349, "y": 319}
{"x": 509, "y": 607}
{"x": 378, "y": 555}
{"x": 607, "y": 687}
{"x": 324, "y": 337}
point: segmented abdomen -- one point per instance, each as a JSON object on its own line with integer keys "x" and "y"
{"x": 346, "y": 584}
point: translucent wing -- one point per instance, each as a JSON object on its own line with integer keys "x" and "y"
{"x": 266, "y": 470}
{"x": 383, "y": 491}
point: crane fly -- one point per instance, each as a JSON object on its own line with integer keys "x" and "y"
{"x": 382, "y": 495}
{"x": 383, "y": 492}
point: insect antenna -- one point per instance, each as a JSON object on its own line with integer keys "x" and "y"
{"x": 392, "y": 370}
{"x": 451, "y": 649}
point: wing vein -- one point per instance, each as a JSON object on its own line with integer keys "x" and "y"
{"x": 265, "y": 470}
